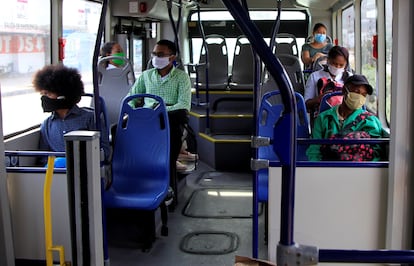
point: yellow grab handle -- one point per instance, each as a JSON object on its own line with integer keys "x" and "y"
{"x": 47, "y": 207}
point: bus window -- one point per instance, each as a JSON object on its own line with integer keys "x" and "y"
{"x": 388, "y": 57}
{"x": 217, "y": 21}
{"x": 368, "y": 62}
{"x": 137, "y": 55}
{"x": 24, "y": 48}
{"x": 80, "y": 22}
{"x": 348, "y": 30}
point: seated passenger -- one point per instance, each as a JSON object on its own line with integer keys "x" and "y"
{"x": 348, "y": 120}
{"x": 114, "y": 49}
{"x": 174, "y": 87}
{"x": 334, "y": 71}
{"x": 61, "y": 89}
{"x": 317, "y": 48}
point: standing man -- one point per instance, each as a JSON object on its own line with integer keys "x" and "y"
{"x": 174, "y": 87}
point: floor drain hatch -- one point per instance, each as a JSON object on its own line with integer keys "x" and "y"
{"x": 209, "y": 242}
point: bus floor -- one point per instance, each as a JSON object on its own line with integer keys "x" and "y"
{"x": 210, "y": 225}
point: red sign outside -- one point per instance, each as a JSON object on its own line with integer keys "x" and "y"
{"x": 21, "y": 44}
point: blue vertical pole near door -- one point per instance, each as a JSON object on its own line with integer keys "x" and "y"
{"x": 286, "y": 146}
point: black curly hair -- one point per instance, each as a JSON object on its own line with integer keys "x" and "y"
{"x": 62, "y": 80}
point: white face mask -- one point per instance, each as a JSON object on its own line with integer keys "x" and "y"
{"x": 334, "y": 70}
{"x": 160, "y": 62}
{"x": 354, "y": 100}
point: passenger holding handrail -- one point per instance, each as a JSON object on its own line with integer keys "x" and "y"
{"x": 348, "y": 121}
{"x": 174, "y": 87}
{"x": 61, "y": 89}
{"x": 317, "y": 48}
{"x": 335, "y": 71}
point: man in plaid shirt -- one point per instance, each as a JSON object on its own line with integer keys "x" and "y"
{"x": 174, "y": 87}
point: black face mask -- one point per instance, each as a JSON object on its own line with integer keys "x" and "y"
{"x": 50, "y": 105}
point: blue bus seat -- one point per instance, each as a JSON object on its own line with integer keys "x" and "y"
{"x": 218, "y": 72}
{"x": 242, "y": 77}
{"x": 325, "y": 105}
{"x": 140, "y": 163}
{"x": 270, "y": 110}
{"x": 114, "y": 84}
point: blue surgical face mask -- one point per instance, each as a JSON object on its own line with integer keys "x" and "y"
{"x": 319, "y": 37}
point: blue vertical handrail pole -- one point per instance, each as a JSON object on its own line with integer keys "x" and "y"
{"x": 256, "y": 84}
{"x": 289, "y": 116}
{"x": 175, "y": 26}
{"x": 204, "y": 44}
{"x": 95, "y": 63}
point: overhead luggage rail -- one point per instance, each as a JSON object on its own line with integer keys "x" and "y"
{"x": 289, "y": 252}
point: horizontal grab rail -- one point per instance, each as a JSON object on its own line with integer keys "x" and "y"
{"x": 363, "y": 164}
{"x": 32, "y": 169}
{"x": 343, "y": 141}
{"x": 40, "y": 169}
{"x": 366, "y": 256}
{"x": 34, "y": 153}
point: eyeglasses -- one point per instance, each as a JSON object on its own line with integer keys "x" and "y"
{"x": 160, "y": 54}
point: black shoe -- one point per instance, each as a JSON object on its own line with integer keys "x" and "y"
{"x": 170, "y": 197}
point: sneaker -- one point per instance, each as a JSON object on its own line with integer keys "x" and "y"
{"x": 188, "y": 156}
{"x": 181, "y": 167}
{"x": 185, "y": 168}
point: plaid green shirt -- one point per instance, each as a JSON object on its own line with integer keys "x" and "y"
{"x": 174, "y": 89}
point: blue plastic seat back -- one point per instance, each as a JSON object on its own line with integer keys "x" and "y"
{"x": 140, "y": 164}
{"x": 325, "y": 105}
{"x": 270, "y": 111}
